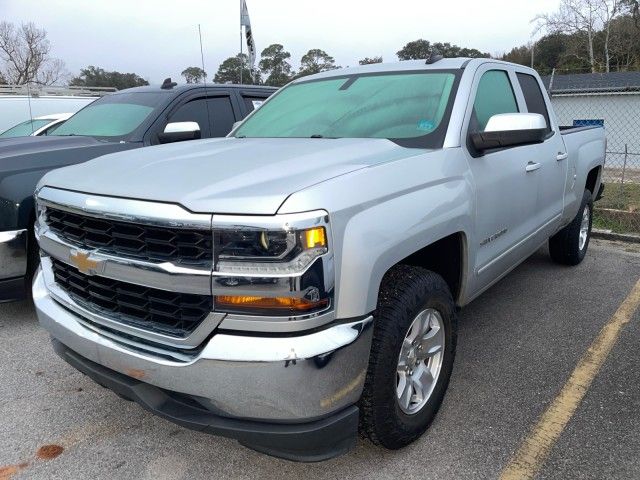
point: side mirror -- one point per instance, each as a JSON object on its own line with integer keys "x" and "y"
{"x": 510, "y": 130}
{"x": 179, "y": 132}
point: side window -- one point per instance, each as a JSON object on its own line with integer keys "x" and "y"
{"x": 494, "y": 96}
{"x": 533, "y": 96}
{"x": 193, "y": 111}
{"x": 222, "y": 116}
{"x": 252, "y": 103}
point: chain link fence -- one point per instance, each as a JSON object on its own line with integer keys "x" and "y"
{"x": 611, "y": 100}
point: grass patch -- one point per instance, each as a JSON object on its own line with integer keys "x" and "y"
{"x": 621, "y": 197}
{"x": 603, "y": 222}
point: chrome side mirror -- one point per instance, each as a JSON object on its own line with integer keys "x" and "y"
{"x": 180, "y": 131}
{"x": 510, "y": 130}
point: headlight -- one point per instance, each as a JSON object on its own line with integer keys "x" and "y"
{"x": 279, "y": 265}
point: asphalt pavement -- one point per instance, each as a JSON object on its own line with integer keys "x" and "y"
{"x": 517, "y": 346}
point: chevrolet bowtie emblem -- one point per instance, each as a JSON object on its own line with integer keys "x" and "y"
{"x": 83, "y": 263}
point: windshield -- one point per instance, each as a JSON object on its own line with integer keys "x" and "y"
{"x": 25, "y": 129}
{"x": 393, "y": 106}
{"x": 111, "y": 116}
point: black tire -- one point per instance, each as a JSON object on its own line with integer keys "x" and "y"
{"x": 564, "y": 246}
{"x": 405, "y": 291}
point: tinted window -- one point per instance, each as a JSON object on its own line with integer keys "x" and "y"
{"x": 114, "y": 115}
{"x": 396, "y": 106}
{"x": 494, "y": 96}
{"x": 193, "y": 111}
{"x": 533, "y": 96}
{"x": 222, "y": 116}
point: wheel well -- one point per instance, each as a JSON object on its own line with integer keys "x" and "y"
{"x": 592, "y": 178}
{"x": 444, "y": 257}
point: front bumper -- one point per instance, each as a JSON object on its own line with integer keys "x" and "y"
{"x": 281, "y": 380}
{"x": 13, "y": 264}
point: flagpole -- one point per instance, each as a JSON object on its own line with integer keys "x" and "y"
{"x": 241, "y": 59}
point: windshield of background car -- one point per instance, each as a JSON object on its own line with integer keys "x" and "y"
{"x": 25, "y": 129}
{"x": 111, "y": 116}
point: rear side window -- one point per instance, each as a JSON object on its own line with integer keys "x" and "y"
{"x": 533, "y": 96}
{"x": 252, "y": 102}
{"x": 494, "y": 96}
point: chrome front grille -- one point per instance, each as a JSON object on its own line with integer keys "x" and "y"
{"x": 154, "y": 310}
{"x": 144, "y": 242}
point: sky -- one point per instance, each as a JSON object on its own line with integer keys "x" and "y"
{"x": 159, "y": 38}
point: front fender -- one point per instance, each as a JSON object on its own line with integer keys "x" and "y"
{"x": 381, "y": 215}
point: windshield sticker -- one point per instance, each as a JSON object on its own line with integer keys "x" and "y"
{"x": 425, "y": 125}
{"x": 257, "y": 103}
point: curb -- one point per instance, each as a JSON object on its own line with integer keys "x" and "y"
{"x": 609, "y": 235}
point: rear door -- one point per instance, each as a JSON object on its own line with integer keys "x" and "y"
{"x": 505, "y": 191}
{"x": 552, "y": 156}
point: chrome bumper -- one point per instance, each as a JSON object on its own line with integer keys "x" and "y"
{"x": 13, "y": 254}
{"x": 294, "y": 378}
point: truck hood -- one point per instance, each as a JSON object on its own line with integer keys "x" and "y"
{"x": 229, "y": 175}
{"x": 23, "y": 154}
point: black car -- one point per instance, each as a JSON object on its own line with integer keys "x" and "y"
{"x": 133, "y": 118}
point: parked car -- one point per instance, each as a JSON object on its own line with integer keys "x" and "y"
{"x": 300, "y": 278}
{"x": 38, "y": 126}
{"x": 125, "y": 120}
{"x": 22, "y": 102}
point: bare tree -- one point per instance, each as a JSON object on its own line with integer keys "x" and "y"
{"x": 609, "y": 9}
{"x": 25, "y": 52}
{"x": 573, "y": 16}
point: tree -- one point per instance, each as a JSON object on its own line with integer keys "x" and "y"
{"x": 229, "y": 71}
{"x": 25, "y": 52}
{"x": 369, "y": 61}
{"x": 274, "y": 64}
{"x": 3, "y": 81}
{"x": 98, "y": 77}
{"x": 582, "y": 19}
{"x": 416, "y": 50}
{"x": 421, "y": 49}
{"x": 316, "y": 61}
{"x": 194, "y": 74}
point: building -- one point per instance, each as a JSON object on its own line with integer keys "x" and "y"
{"x": 608, "y": 99}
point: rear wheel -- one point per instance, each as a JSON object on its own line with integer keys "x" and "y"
{"x": 411, "y": 357}
{"x": 569, "y": 245}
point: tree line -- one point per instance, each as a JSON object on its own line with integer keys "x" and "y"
{"x": 580, "y": 36}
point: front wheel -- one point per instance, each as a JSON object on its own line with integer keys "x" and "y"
{"x": 411, "y": 360}
{"x": 569, "y": 245}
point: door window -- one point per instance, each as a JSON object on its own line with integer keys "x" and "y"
{"x": 193, "y": 111}
{"x": 494, "y": 96}
{"x": 222, "y": 116}
{"x": 533, "y": 96}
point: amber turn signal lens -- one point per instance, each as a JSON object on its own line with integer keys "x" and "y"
{"x": 315, "y": 237}
{"x": 283, "y": 303}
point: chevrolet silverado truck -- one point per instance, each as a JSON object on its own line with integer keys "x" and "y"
{"x": 299, "y": 280}
{"x": 125, "y": 120}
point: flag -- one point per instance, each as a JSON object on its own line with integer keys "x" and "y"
{"x": 246, "y": 22}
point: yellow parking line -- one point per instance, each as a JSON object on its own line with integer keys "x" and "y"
{"x": 535, "y": 448}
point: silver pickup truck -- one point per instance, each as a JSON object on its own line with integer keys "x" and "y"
{"x": 299, "y": 280}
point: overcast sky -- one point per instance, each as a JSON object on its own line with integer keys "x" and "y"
{"x": 159, "y": 38}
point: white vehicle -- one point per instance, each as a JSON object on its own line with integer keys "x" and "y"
{"x": 36, "y": 126}
{"x": 21, "y": 102}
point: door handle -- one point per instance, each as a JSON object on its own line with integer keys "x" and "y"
{"x": 531, "y": 166}
{"x": 562, "y": 156}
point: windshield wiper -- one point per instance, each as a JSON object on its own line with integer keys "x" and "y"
{"x": 316, "y": 135}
